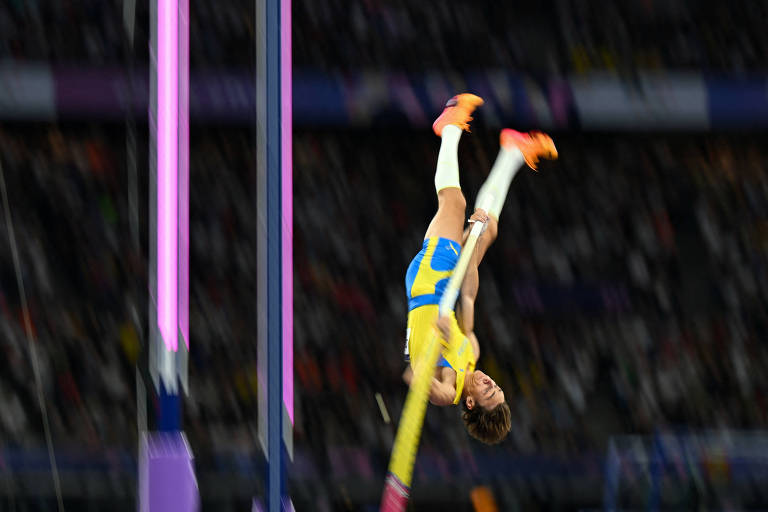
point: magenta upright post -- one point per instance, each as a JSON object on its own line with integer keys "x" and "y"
{"x": 166, "y": 472}
{"x": 286, "y": 183}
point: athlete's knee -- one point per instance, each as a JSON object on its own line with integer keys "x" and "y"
{"x": 452, "y": 199}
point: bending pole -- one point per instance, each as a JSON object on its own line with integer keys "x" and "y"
{"x": 397, "y": 486}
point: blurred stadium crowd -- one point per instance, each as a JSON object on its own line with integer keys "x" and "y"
{"x": 550, "y": 37}
{"x": 86, "y": 277}
{"x": 626, "y": 292}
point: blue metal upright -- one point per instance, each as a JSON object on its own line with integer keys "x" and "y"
{"x": 269, "y": 212}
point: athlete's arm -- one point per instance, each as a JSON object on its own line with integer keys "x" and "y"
{"x": 465, "y": 312}
{"x": 465, "y": 307}
{"x": 440, "y": 393}
{"x": 487, "y": 237}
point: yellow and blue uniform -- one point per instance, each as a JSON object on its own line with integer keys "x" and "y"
{"x": 425, "y": 281}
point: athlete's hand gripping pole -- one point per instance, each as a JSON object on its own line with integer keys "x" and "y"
{"x": 397, "y": 487}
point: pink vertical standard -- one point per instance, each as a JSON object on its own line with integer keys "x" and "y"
{"x": 183, "y": 147}
{"x": 286, "y": 141}
{"x": 167, "y": 171}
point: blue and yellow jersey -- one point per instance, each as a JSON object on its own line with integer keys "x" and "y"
{"x": 430, "y": 270}
{"x": 425, "y": 282}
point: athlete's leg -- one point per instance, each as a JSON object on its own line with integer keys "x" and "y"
{"x": 516, "y": 149}
{"x": 508, "y": 162}
{"x": 451, "y": 204}
{"x": 448, "y": 222}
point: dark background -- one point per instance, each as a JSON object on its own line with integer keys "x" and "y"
{"x": 624, "y": 296}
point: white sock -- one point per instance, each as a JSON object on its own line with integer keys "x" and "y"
{"x": 447, "y": 172}
{"x": 497, "y": 183}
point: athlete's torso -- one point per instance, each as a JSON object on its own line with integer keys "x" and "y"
{"x": 425, "y": 282}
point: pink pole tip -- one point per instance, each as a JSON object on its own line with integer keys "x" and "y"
{"x": 395, "y": 497}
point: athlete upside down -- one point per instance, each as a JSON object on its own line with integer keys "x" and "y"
{"x": 486, "y": 413}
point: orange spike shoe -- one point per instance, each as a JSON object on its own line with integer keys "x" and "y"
{"x": 457, "y": 111}
{"x": 533, "y": 145}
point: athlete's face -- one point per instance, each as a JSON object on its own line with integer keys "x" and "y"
{"x": 483, "y": 392}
